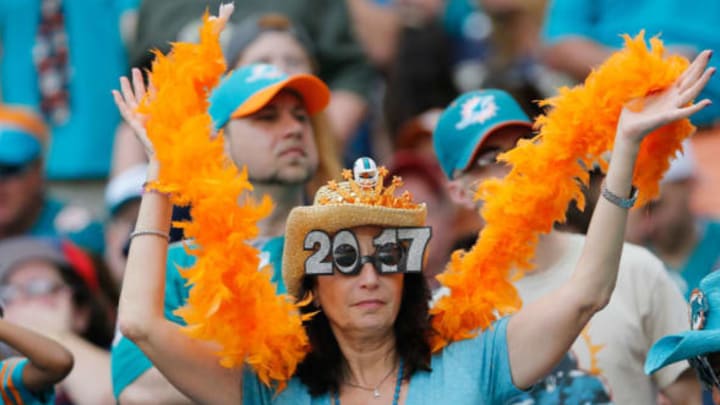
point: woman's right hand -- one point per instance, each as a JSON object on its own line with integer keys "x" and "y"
{"x": 127, "y": 101}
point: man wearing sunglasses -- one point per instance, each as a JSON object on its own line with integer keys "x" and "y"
{"x": 25, "y": 207}
{"x": 605, "y": 363}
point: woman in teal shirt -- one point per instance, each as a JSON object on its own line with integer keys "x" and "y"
{"x": 362, "y": 264}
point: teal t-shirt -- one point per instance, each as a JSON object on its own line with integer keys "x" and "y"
{"x": 469, "y": 372}
{"x": 14, "y": 392}
{"x": 127, "y": 361}
{"x": 81, "y": 148}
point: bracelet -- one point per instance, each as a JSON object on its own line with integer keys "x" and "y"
{"x": 146, "y": 189}
{"x": 161, "y": 234}
{"x": 619, "y": 201}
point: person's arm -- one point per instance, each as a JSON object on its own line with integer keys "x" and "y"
{"x": 127, "y": 151}
{"x": 345, "y": 112}
{"x": 685, "y": 390}
{"x": 190, "y": 365}
{"x": 91, "y": 364}
{"x": 90, "y": 361}
{"x": 49, "y": 362}
{"x": 575, "y": 56}
{"x": 377, "y": 27}
{"x": 135, "y": 379}
{"x": 152, "y": 388}
{"x": 343, "y": 65}
{"x": 542, "y": 332}
{"x": 664, "y": 311}
{"x": 567, "y": 36}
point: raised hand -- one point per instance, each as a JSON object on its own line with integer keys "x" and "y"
{"x": 128, "y": 102}
{"x": 672, "y": 104}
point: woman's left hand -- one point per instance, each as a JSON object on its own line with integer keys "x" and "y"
{"x": 672, "y": 104}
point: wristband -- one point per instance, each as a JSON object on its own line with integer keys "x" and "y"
{"x": 142, "y": 232}
{"x": 146, "y": 190}
{"x": 620, "y": 201}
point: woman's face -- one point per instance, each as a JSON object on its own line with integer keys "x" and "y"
{"x": 280, "y": 49}
{"x": 366, "y": 302}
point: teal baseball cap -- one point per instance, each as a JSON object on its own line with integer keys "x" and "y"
{"x": 246, "y": 90}
{"x": 22, "y": 136}
{"x": 704, "y": 334}
{"x": 468, "y": 121}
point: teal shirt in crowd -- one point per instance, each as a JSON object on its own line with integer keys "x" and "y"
{"x": 468, "y": 372}
{"x": 127, "y": 361}
{"x": 14, "y": 392}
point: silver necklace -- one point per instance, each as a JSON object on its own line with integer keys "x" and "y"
{"x": 375, "y": 390}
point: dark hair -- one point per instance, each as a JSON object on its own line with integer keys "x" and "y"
{"x": 322, "y": 369}
{"x": 99, "y": 329}
{"x": 578, "y": 221}
{"x": 253, "y": 26}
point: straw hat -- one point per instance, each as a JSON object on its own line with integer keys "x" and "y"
{"x": 359, "y": 200}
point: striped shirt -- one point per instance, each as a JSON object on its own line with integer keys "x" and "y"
{"x": 14, "y": 392}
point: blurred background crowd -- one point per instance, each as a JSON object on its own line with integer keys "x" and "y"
{"x": 72, "y": 174}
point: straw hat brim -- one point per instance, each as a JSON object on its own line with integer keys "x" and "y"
{"x": 332, "y": 218}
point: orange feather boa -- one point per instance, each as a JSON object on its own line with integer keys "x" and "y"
{"x": 547, "y": 173}
{"x": 230, "y": 302}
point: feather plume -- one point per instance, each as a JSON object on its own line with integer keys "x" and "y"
{"x": 230, "y": 303}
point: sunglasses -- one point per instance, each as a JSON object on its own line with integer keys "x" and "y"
{"x": 388, "y": 258}
{"x": 32, "y": 289}
{"x": 706, "y": 373}
{"x": 397, "y": 250}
